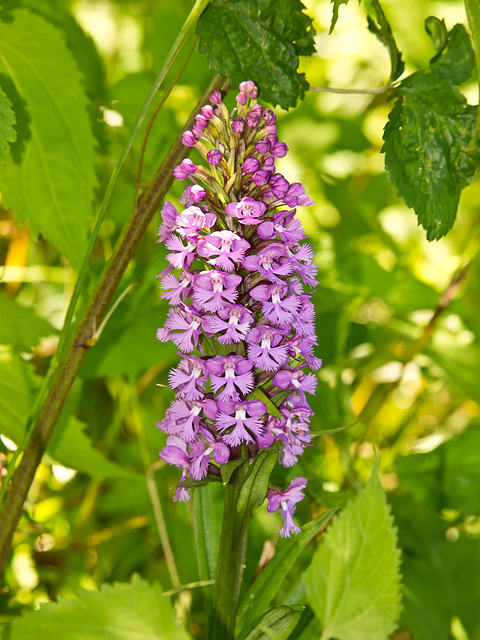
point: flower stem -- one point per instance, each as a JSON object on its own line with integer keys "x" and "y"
{"x": 78, "y": 347}
{"x": 231, "y": 562}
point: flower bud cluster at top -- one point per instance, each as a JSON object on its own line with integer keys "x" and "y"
{"x": 240, "y": 316}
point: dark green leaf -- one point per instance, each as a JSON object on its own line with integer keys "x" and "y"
{"x": 259, "y": 40}
{"x": 119, "y": 611}
{"x": 379, "y": 26}
{"x": 277, "y": 623}
{"x": 336, "y": 7}
{"x": 263, "y": 590}
{"x": 429, "y": 149}
{"x": 353, "y": 581}
{"x": 7, "y": 132}
{"x": 227, "y": 469}
{"x": 50, "y": 177}
{"x": 206, "y": 532}
{"x": 15, "y": 395}
{"x": 426, "y": 149}
{"x": 437, "y": 31}
{"x": 20, "y": 327}
{"x": 456, "y": 60}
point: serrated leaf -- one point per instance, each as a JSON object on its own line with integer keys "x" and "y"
{"x": 259, "y": 40}
{"x": 456, "y": 60}
{"x": 263, "y": 590}
{"x": 277, "y": 623}
{"x": 437, "y": 30}
{"x": 426, "y": 151}
{"x": 353, "y": 583}
{"x": 50, "y": 177}
{"x": 7, "y": 132}
{"x": 335, "y": 9}
{"x": 429, "y": 149}
{"x": 116, "y": 612}
{"x": 20, "y": 327}
{"x": 72, "y": 448}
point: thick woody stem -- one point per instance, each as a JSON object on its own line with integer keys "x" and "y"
{"x": 144, "y": 209}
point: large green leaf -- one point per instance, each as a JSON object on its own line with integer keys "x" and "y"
{"x": 7, "y": 132}
{"x": 15, "y": 395}
{"x": 263, "y": 590}
{"x": 20, "y": 327}
{"x": 117, "y": 612}
{"x": 429, "y": 149}
{"x": 353, "y": 581}
{"x": 259, "y": 40}
{"x": 50, "y": 178}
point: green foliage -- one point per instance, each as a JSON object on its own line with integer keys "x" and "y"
{"x": 119, "y": 611}
{"x": 259, "y": 41}
{"x": 50, "y": 178}
{"x": 429, "y": 137}
{"x": 20, "y": 326}
{"x": 261, "y": 593}
{"x": 353, "y": 581}
{"x": 7, "y": 131}
{"x": 15, "y": 394}
{"x": 277, "y": 623}
{"x": 335, "y": 9}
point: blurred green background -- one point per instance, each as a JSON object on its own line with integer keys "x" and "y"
{"x": 397, "y": 323}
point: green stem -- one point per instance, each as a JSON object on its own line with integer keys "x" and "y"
{"x": 472, "y": 9}
{"x": 231, "y": 561}
{"x": 99, "y": 301}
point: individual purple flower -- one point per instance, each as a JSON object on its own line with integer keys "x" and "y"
{"x": 212, "y": 289}
{"x": 264, "y": 348}
{"x": 244, "y": 417}
{"x": 230, "y": 324}
{"x": 233, "y": 373}
{"x": 271, "y": 262}
{"x": 189, "y": 378}
{"x": 297, "y": 379}
{"x": 278, "y": 306}
{"x": 238, "y": 125}
{"x": 182, "y": 419}
{"x": 224, "y": 249}
{"x": 190, "y": 221}
{"x": 287, "y": 502}
{"x": 248, "y": 211}
{"x": 182, "y": 327}
{"x": 169, "y": 217}
{"x": 214, "y": 157}
{"x": 176, "y": 290}
{"x": 188, "y": 139}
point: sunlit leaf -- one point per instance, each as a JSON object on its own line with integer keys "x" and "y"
{"x": 20, "y": 326}
{"x": 353, "y": 581}
{"x": 116, "y": 612}
{"x": 259, "y": 41}
{"x": 277, "y": 623}
{"x": 50, "y": 177}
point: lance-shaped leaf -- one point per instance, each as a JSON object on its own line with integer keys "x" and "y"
{"x": 353, "y": 583}
{"x": 263, "y": 590}
{"x": 255, "y": 486}
{"x": 277, "y": 623}
{"x": 7, "y": 132}
{"x": 50, "y": 176}
{"x": 119, "y": 611}
{"x": 259, "y": 40}
{"x": 430, "y": 151}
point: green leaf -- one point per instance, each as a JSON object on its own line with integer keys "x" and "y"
{"x": 259, "y": 40}
{"x": 255, "y": 486}
{"x": 428, "y": 138}
{"x": 277, "y": 623}
{"x": 336, "y": 7}
{"x": 379, "y": 26}
{"x": 263, "y": 590}
{"x": 20, "y": 327}
{"x": 353, "y": 581}
{"x": 456, "y": 60}
{"x": 7, "y": 132}
{"x": 227, "y": 469}
{"x": 72, "y": 448}
{"x": 116, "y": 612}
{"x": 437, "y": 31}
{"x": 206, "y": 532}
{"x": 272, "y": 409}
{"x": 50, "y": 177}
{"x": 15, "y": 395}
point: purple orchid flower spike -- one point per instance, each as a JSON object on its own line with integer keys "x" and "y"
{"x": 240, "y": 313}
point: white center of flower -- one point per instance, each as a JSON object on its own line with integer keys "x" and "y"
{"x": 195, "y": 410}
{"x": 240, "y": 414}
{"x": 266, "y": 340}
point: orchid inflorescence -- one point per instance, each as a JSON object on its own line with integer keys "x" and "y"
{"x": 240, "y": 316}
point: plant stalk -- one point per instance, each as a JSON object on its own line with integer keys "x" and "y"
{"x": 78, "y": 347}
{"x": 231, "y": 561}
